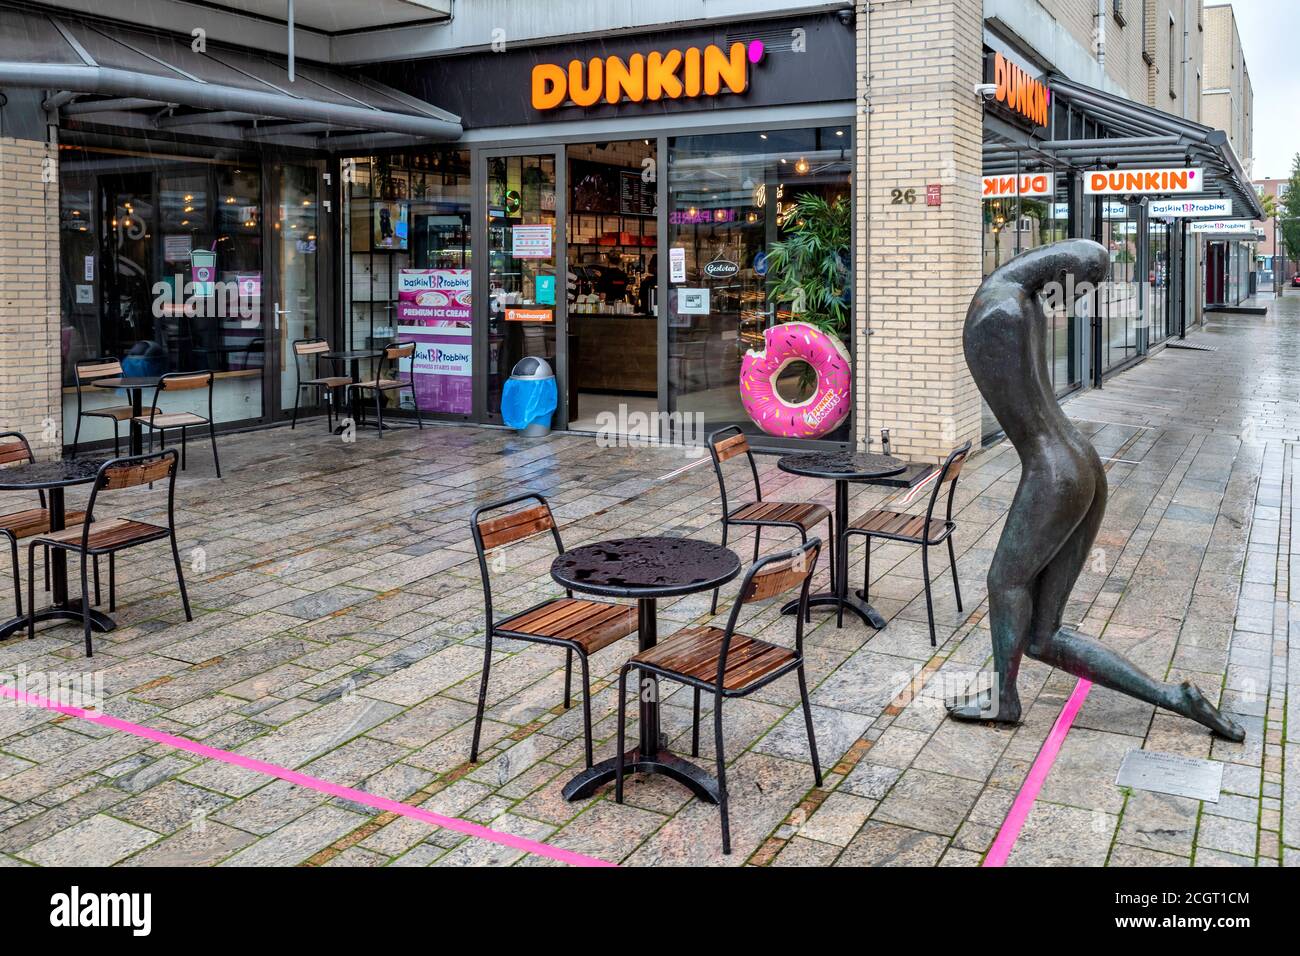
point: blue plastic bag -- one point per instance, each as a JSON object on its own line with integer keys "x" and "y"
{"x": 526, "y": 402}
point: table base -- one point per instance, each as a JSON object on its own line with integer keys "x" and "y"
{"x": 99, "y": 622}
{"x": 694, "y": 778}
{"x": 852, "y": 602}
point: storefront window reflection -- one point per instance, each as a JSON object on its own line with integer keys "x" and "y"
{"x": 735, "y": 200}
{"x": 161, "y": 261}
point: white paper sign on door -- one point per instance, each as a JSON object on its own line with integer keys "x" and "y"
{"x": 677, "y": 264}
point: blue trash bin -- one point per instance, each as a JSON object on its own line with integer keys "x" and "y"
{"x": 529, "y": 399}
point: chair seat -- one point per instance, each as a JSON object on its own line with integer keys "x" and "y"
{"x": 900, "y": 525}
{"x": 109, "y": 534}
{"x": 383, "y": 383}
{"x": 590, "y": 624}
{"x": 119, "y": 413}
{"x": 24, "y": 524}
{"x": 804, "y": 514}
{"x": 694, "y": 652}
{"x": 330, "y": 381}
{"x": 172, "y": 419}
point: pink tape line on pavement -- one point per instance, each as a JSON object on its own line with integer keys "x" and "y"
{"x": 313, "y": 783}
{"x": 1015, "y": 821}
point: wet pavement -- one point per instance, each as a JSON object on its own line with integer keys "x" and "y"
{"x": 339, "y": 631}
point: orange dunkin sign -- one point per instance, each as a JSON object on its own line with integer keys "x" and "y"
{"x": 1026, "y": 184}
{"x": 677, "y": 74}
{"x": 1020, "y": 92}
{"x": 1144, "y": 182}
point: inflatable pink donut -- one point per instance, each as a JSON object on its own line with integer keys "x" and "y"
{"x": 829, "y": 404}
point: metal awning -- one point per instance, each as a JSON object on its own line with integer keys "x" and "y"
{"x": 1137, "y": 136}
{"x": 108, "y": 75}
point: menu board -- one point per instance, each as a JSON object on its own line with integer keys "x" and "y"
{"x": 637, "y": 197}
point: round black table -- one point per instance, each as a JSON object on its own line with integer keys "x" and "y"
{"x": 646, "y": 569}
{"x": 842, "y": 468}
{"x": 52, "y": 477}
{"x": 353, "y": 357}
{"x": 134, "y": 386}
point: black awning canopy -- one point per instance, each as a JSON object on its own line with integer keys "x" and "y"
{"x": 1136, "y": 136}
{"x": 102, "y": 74}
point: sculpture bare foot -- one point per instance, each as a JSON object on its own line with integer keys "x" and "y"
{"x": 1203, "y": 712}
{"x": 1005, "y": 711}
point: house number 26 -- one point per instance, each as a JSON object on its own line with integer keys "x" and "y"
{"x": 900, "y": 196}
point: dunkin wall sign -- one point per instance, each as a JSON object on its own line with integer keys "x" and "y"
{"x": 1026, "y": 184}
{"x": 1019, "y": 92}
{"x": 672, "y": 75}
{"x": 1143, "y": 182}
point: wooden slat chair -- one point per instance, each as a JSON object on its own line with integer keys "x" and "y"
{"x": 86, "y": 372}
{"x": 803, "y": 516}
{"x": 729, "y": 664}
{"x": 391, "y": 382}
{"x": 326, "y": 385}
{"x": 15, "y": 450}
{"x": 580, "y": 626}
{"x": 92, "y": 537}
{"x": 925, "y": 530}
{"x": 160, "y": 421}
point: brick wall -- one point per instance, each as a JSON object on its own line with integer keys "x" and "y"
{"x": 919, "y": 123}
{"x": 29, "y": 294}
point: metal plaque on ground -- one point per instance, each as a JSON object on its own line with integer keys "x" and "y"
{"x": 1171, "y": 773}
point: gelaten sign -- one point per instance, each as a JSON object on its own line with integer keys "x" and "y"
{"x": 677, "y": 74}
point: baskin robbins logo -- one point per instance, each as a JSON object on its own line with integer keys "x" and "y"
{"x": 434, "y": 280}
{"x": 655, "y": 76}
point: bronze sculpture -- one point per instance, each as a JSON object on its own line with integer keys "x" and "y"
{"x": 1061, "y": 499}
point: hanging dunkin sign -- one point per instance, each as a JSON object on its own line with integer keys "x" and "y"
{"x": 817, "y": 415}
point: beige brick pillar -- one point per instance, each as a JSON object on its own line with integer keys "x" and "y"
{"x": 30, "y": 392}
{"x": 919, "y": 123}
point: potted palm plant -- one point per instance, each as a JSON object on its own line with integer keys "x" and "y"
{"x": 809, "y": 266}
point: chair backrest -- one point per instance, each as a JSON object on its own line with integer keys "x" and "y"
{"x": 725, "y": 444}
{"x": 770, "y": 577}
{"x": 88, "y": 370}
{"x": 949, "y": 472}
{"x": 132, "y": 471}
{"x": 183, "y": 381}
{"x": 310, "y": 346}
{"x": 14, "y": 452}
{"x": 399, "y": 350}
{"x": 490, "y": 533}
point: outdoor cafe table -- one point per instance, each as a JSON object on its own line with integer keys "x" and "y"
{"x": 646, "y": 569}
{"x": 842, "y": 468}
{"x": 134, "y": 386}
{"x": 52, "y": 477}
{"x": 353, "y": 357}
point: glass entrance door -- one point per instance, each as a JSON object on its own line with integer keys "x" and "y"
{"x": 291, "y": 303}
{"x": 525, "y": 282}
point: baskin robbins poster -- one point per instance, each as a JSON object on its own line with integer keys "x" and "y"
{"x": 433, "y": 311}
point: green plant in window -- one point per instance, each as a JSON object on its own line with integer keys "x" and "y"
{"x": 809, "y": 267}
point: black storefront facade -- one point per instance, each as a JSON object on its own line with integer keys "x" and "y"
{"x": 626, "y": 241}
{"x": 661, "y": 213}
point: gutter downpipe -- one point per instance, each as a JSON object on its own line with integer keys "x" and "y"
{"x": 1100, "y": 35}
